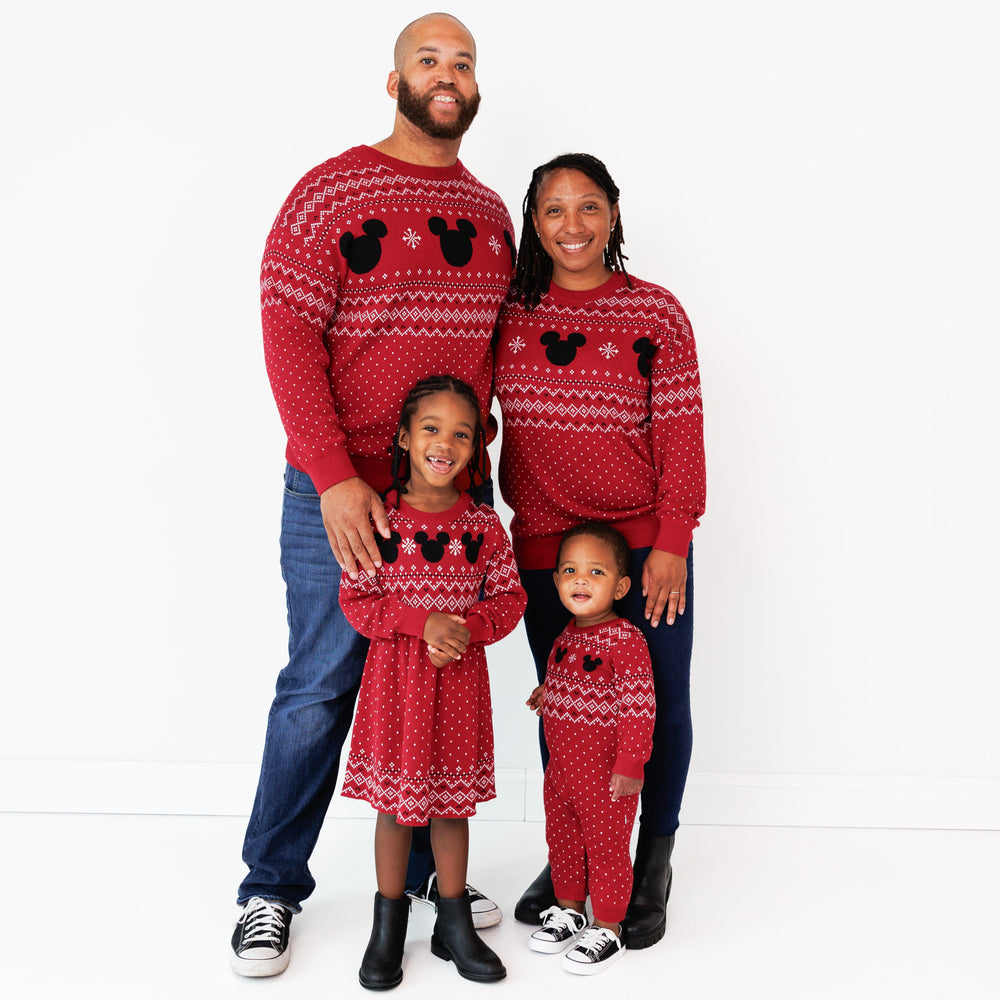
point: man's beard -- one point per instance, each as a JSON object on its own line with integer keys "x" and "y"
{"x": 415, "y": 108}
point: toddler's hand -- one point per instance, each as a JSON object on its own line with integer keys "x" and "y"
{"x": 447, "y": 634}
{"x": 537, "y": 699}
{"x": 620, "y": 785}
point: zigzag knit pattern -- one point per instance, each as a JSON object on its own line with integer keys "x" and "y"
{"x": 412, "y": 799}
{"x": 602, "y": 418}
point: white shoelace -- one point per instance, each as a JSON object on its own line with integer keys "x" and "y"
{"x": 555, "y": 918}
{"x": 595, "y": 940}
{"x": 263, "y": 923}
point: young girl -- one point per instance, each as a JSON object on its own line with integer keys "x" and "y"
{"x": 598, "y": 708}
{"x": 422, "y": 747}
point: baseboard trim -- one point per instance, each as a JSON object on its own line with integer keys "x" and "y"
{"x": 226, "y": 789}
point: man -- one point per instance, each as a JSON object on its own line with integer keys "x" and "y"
{"x": 386, "y": 264}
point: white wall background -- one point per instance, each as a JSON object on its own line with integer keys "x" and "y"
{"x": 816, "y": 182}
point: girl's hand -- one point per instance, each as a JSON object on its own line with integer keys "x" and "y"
{"x": 536, "y": 699}
{"x": 620, "y": 785}
{"x": 447, "y": 634}
{"x": 664, "y": 579}
{"x": 438, "y": 658}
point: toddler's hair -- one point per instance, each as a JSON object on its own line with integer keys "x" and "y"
{"x": 603, "y": 532}
{"x": 431, "y": 386}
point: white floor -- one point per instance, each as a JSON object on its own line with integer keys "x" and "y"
{"x": 141, "y": 907}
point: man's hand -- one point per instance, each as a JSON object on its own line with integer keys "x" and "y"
{"x": 620, "y": 785}
{"x": 536, "y": 699}
{"x": 447, "y": 635}
{"x": 664, "y": 578}
{"x": 348, "y": 507}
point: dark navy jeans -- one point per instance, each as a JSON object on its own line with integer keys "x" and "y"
{"x": 670, "y": 652}
{"x": 310, "y": 715}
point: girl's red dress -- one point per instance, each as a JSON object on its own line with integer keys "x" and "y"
{"x": 422, "y": 744}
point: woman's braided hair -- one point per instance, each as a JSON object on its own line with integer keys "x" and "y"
{"x": 533, "y": 273}
{"x": 422, "y": 390}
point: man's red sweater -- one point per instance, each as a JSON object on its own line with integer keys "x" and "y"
{"x": 377, "y": 273}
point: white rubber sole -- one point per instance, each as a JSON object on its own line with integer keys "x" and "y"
{"x": 551, "y": 947}
{"x": 254, "y": 968}
{"x": 591, "y": 968}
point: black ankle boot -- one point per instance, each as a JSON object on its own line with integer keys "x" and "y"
{"x": 382, "y": 968}
{"x": 455, "y": 939}
{"x": 646, "y": 920}
{"x": 537, "y": 897}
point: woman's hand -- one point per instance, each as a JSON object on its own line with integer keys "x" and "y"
{"x": 447, "y": 635}
{"x": 664, "y": 580}
{"x": 536, "y": 699}
{"x": 620, "y": 785}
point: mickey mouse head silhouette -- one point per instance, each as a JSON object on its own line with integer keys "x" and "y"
{"x": 509, "y": 240}
{"x": 363, "y": 252}
{"x": 589, "y": 664}
{"x": 456, "y": 244}
{"x": 645, "y": 348}
{"x": 389, "y": 547}
{"x": 559, "y": 351}
{"x": 472, "y": 545}
{"x": 432, "y": 549}
{"x": 561, "y": 651}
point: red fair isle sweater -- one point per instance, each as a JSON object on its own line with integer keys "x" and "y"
{"x": 602, "y": 418}
{"x": 377, "y": 273}
{"x": 599, "y": 705}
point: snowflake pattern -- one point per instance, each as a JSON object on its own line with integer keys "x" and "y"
{"x": 517, "y": 344}
{"x": 495, "y": 245}
{"x": 408, "y": 546}
{"x": 455, "y": 547}
{"x": 608, "y": 350}
{"x": 411, "y": 238}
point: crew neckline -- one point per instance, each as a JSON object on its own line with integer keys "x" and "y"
{"x": 449, "y": 514}
{"x": 412, "y": 169}
{"x": 612, "y": 285}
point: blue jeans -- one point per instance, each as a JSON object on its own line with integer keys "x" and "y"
{"x": 310, "y": 715}
{"x": 670, "y": 652}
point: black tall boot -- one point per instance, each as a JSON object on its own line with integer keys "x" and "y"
{"x": 382, "y": 966}
{"x": 646, "y": 919}
{"x": 537, "y": 897}
{"x": 455, "y": 939}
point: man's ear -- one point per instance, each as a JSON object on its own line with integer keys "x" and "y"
{"x": 392, "y": 85}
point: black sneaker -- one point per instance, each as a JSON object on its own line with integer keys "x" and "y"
{"x": 485, "y": 913}
{"x": 595, "y": 950}
{"x": 260, "y": 938}
{"x": 560, "y": 928}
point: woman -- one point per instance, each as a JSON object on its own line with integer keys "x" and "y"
{"x": 597, "y": 378}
